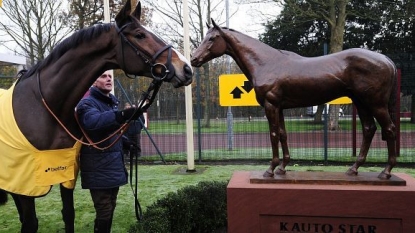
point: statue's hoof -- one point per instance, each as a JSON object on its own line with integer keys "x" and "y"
{"x": 351, "y": 172}
{"x": 268, "y": 174}
{"x": 384, "y": 176}
{"x": 280, "y": 171}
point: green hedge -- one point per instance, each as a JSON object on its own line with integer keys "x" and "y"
{"x": 196, "y": 209}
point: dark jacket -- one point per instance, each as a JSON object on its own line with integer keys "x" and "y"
{"x": 100, "y": 169}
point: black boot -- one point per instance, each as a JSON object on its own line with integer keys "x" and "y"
{"x": 102, "y": 226}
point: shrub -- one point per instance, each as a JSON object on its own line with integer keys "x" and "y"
{"x": 197, "y": 209}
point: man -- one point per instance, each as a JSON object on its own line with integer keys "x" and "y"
{"x": 103, "y": 170}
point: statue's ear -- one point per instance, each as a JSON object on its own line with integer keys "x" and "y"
{"x": 123, "y": 16}
{"x": 137, "y": 11}
{"x": 216, "y": 26}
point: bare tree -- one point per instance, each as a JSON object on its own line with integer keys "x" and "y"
{"x": 34, "y": 25}
{"x": 169, "y": 24}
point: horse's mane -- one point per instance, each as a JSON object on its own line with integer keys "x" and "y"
{"x": 78, "y": 37}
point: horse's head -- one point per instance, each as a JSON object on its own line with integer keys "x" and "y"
{"x": 161, "y": 61}
{"x": 212, "y": 46}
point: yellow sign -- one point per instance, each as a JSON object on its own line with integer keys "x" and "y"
{"x": 1, "y": 3}
{"x": 236, "y": 90}
{"x": 341, "y": 100}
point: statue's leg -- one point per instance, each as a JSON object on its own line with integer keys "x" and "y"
{"x": 27, "y": 213}
{"x": 272, "y": 115}
{"x": 369, "y": 129}
{"x": 388, "y": 135}
{"x": 68, "y": 210}
{"x": 284, "y": 145}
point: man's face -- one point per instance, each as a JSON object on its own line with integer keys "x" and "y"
{"x": 104, "y": 82}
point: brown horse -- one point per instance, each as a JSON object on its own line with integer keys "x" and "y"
{"x": 44, "y": 99}
{"x": 283, "y": 79}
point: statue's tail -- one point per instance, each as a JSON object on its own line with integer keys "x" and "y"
{"x": 3, "y": 197}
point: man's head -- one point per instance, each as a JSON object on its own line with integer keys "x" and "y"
{"x": 104, "y": 82}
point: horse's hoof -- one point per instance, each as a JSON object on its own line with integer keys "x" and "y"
{"x": 384, "y": 176}
{"x": 280, "y": 171}
{"x": 268, "y": 174}
{"x": 351, "y": 172}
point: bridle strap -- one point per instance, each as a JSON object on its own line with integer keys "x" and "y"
{"x": 144, "y": 56}
{"x": 169, "y": 69}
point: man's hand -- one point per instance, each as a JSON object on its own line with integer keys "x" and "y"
{"x": 127, "y": 115}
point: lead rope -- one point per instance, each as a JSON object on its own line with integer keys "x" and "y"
{"x": 149, "y": 95}
{"x": 137, "y": 206}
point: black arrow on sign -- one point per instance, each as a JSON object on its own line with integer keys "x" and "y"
{"x": 236, "y": 93}
{"x": 247, "y": 86}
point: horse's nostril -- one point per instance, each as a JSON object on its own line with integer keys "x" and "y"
{"x": 188, "y": 70}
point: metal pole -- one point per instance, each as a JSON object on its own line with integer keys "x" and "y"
{"x": 198, "y": 113}
{"x": 326, "y": 120}
{"x": 229, "y": 115}
{"x": 188, "y": 94}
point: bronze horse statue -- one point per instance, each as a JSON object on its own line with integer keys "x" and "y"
{"x": 283, "y": 79}
{"x": 44, "y": 98}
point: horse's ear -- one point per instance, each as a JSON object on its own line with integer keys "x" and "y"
{"x": 124, "y": 14}
{"x": 137, "y": 11}
{"x": 207, "y": 25}
{"x": 214, "y": 24}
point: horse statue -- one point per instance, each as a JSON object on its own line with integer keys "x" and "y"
{"x": 40, "y": 142}
{"x": 283, "y": 79}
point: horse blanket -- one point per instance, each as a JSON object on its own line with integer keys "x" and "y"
{"x": 26, "y": 170}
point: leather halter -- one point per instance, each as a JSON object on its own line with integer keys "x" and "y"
{"x": 167, "y": 68}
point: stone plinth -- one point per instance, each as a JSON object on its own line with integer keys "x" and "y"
{"x": 255, "y": 205}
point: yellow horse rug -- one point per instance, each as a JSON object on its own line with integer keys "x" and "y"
{"x": 26, "y": 170}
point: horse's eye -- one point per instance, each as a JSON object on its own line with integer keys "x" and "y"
{"x": 211, "y": 38}
{"x": 140, "y": 36}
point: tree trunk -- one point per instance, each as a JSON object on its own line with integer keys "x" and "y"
{"x": 318, "y": 116}
{"x": 337, "y": 22}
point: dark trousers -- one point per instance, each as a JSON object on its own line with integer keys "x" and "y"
{"x": 104, "y": 202}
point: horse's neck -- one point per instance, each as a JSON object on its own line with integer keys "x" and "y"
{"x": 72, "y": 76}
{"x": 248, "y": 53}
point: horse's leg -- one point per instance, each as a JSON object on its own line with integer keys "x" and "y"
{"x": 27, "y": 213}
{"x": 3, "y": 197}
{"x": 272, "y": 115}
{"x": 284, "y": 145}
{"x": 388, "y": 135}
{"x": 369, "y": 129}
{"x": 68, "y": 210}
{"x": 18, "y": 206}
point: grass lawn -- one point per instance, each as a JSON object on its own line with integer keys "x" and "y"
{"x": 155, "y": 181}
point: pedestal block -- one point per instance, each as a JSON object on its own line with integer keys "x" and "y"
{"x": 295, "y": 206}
